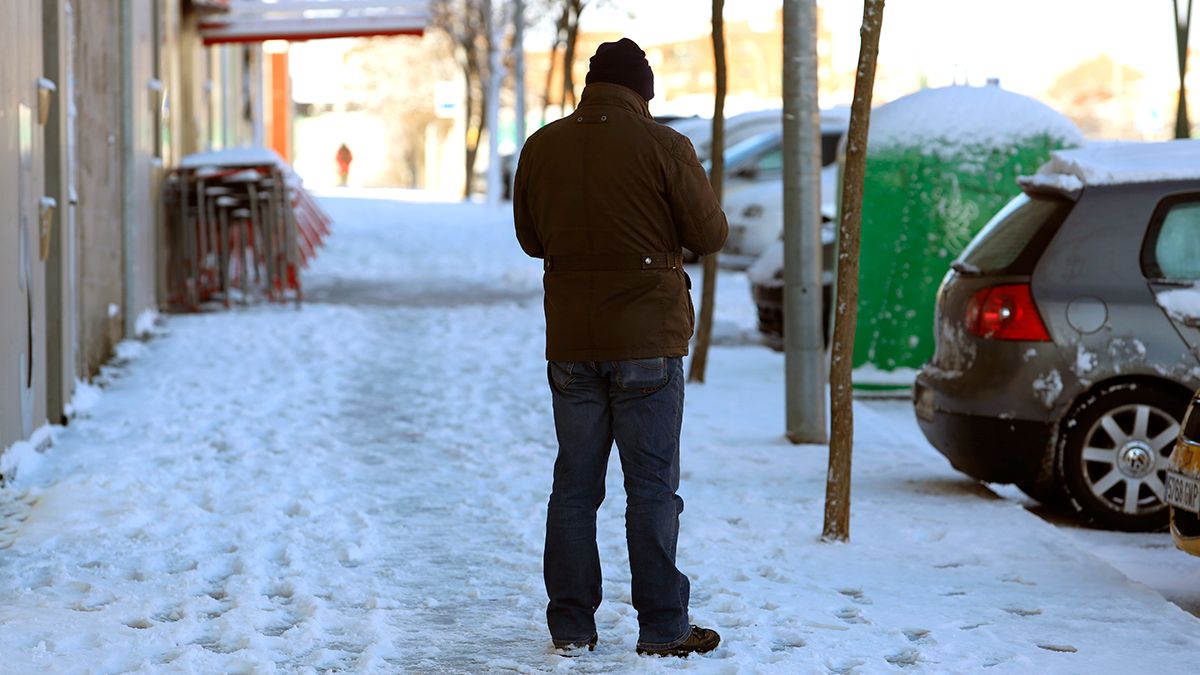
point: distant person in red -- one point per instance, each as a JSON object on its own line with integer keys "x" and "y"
{"x": 344, "y": 157}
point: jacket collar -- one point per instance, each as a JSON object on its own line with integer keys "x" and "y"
{"x": 605, "y": 93}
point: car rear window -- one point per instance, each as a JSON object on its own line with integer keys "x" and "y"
{"x": 1002, "y": 244}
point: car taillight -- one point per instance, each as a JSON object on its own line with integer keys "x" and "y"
{"x": 1006, "y": 313}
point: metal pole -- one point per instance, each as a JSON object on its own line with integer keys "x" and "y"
{"x": 804, "y": 340}
{"x": 519, "y": 64}
{"x": 495, "y": 31}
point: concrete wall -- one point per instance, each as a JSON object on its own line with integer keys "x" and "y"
{"x": 22, "y": 273}
{"x": 136, "y": 91}
{"x": 99, "y": 161}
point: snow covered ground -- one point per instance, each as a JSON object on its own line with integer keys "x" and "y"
{"x": 360, "y": 486}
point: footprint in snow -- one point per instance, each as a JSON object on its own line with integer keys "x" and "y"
{"x": 1020, "y": 611}
{"x": 1064, "y": 649}
{"x": 918, "y": 636}
{"x": 856, "y": 595}
{"x": 851, "y": 615}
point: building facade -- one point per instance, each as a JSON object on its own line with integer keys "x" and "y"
{"x": 97, "y": 99}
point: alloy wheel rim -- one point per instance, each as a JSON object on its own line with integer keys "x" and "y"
{"x": 1125, "y": 458}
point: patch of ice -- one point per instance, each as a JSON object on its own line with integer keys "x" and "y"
{"x": 1180, "y": 303}
{"x": 1048, "y": 387}
{"x": 1085, "y": 361}
{"x": 872, "y": 374}
{"x": 25, "y": 456}
{"x": 145, "y": 323}
{"x": 86, "y": 396}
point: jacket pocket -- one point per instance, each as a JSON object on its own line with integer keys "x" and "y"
{"x": 560, "y": 373}
{"x": 642, "y": 375}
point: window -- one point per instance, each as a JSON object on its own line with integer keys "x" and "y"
{"x": 1009, "y": 233}
{"x": 1177, "y": 244}
{"x": 772, "y": 162}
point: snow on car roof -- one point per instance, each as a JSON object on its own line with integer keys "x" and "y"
{"x": 1114, "y": 163}
{"x": 949, "y": 118}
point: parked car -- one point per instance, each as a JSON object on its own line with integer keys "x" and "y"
{"x": 1067, "y": 334}
{"x": 755, "y": 216}
{"x": 737, "y": 129}
{"x": 1183, "y": 482}
{"x": 766, "y": 287}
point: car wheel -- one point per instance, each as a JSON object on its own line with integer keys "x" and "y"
{"x": 1114, "y": 455}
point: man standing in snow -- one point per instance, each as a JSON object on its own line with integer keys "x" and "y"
{"x": 607, "y": 197}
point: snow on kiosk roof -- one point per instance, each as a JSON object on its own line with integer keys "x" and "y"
{"x": 949, "y": 119}
{"x": 1116, "y": 164}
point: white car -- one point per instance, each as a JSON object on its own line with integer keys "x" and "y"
{"x": 737, "y": 129}
{"x": 755, "y": 216}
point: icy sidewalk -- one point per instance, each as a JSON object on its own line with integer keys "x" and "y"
{"x": 360, "y": 486}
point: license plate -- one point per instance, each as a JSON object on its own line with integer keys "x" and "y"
{"x": 1183, "y": 492}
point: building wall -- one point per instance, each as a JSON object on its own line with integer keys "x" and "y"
{"x": 99, "y": 162}
{"x": 22, "y": 274}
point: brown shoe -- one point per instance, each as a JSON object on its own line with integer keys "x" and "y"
{"x": 576, "y": 648}
{"x": 699, "y": 641}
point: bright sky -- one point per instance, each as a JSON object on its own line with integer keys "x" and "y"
{"x": 1025, "y": 43}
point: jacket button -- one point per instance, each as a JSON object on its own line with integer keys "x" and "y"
{"x": 604, "y": 118}
{"x": 578, "y": 119}
{"x": 647, "y": 260}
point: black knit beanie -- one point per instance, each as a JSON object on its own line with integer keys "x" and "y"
{"x": 622, "y": 62}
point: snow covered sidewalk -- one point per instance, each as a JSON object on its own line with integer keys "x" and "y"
{"x": 360, "y": 486}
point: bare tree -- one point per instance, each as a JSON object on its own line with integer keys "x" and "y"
{"x": 708, "y": 295}
{"x": 571, "y": 11}
{"x": 560, "y": 28}
{"x": 1183, "y": 22}
{"x": 465, "y": 22}
{"x": 841, "y": 443}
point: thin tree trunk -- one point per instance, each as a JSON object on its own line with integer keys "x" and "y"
{"x": 708, "y": 296}
{"x": 1183, "y": 128}
{"x": 468, "y": 126}
{"x": 574, "y": 10}
{"x": 558, "y": 40}
{"x": 841, "y": 443}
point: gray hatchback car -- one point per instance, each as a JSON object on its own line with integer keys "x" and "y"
{"x": 1068, "y": 334}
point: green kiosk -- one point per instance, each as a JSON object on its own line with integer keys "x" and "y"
{"x": 940, "y": 163}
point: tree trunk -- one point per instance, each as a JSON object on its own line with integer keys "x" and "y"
{"x": 803, "y": 333}
{"x": 560, "y": 28}
{"x": 468, "y": 129}
{"x": 708, "y": 296}
{"x": 1183, "y": 128}
{"x": 841, "y": 444}
{"x": 575, "y": 8}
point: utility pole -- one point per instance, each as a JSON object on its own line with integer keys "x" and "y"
{"x": 803, "y": 336}
{"x": 495, "y": 33}
{"x": 841, "y": 443}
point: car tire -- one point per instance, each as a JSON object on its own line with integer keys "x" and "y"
{"x": 1113, "y": 454}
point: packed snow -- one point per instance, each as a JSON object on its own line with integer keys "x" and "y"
{"x": 1109, "y": 163}
{"x": 946, "y": 119}
{"x": 360, "y": 486}
{"x": 1182, "y": 304}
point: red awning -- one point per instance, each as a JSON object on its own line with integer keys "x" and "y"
{"x": 296, "y": 20}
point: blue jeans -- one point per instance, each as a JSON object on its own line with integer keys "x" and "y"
{"x": 639, "y": 403}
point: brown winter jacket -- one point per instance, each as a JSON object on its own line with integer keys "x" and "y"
{"x": 607, "y": 196}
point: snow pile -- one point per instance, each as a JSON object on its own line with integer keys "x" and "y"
{"x": 949, "y": 119}
{"x": 25, "y": 456}
{"x": 1114, "y": 163}
{"x": 1180, "y": 303}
